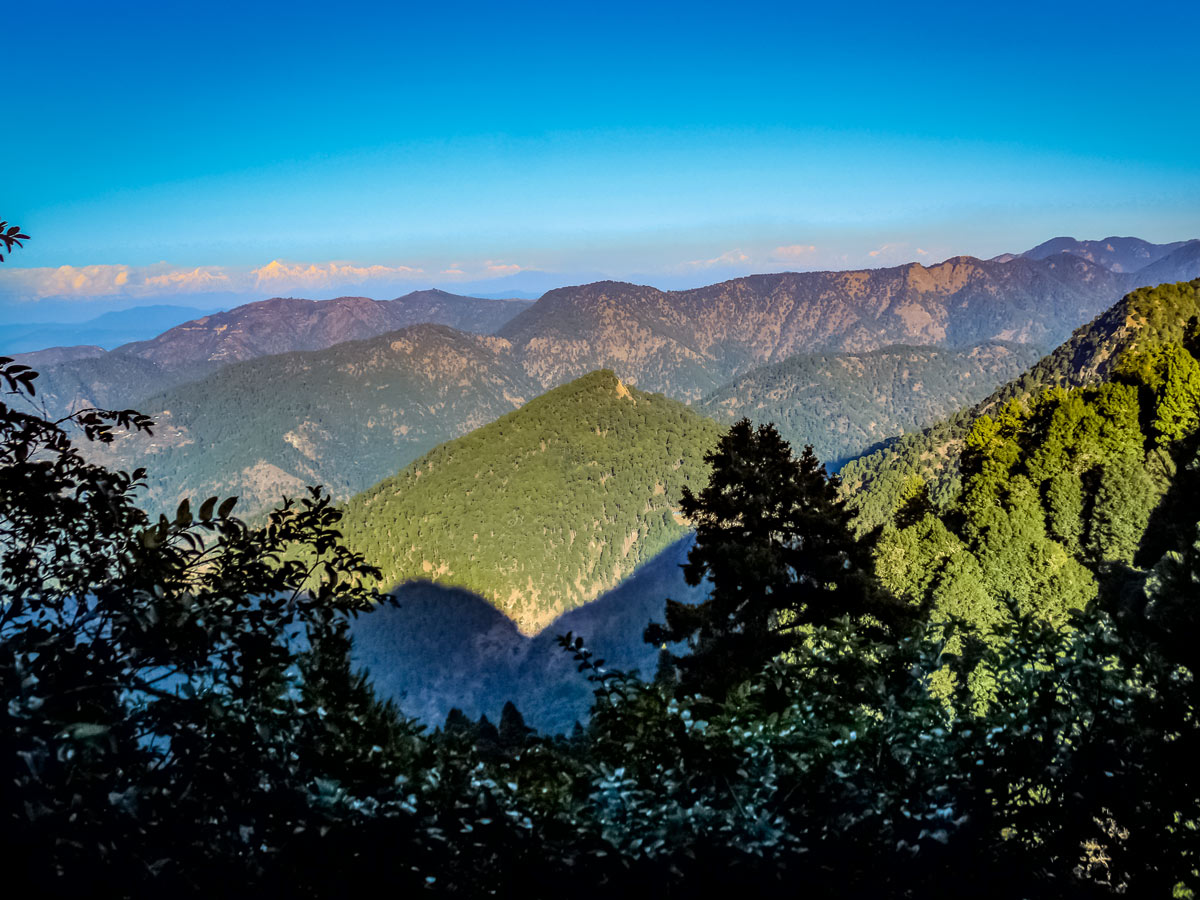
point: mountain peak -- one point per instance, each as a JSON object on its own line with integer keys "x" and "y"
{"x": 1117, "y": 254}
{"x": 555, "y": 502}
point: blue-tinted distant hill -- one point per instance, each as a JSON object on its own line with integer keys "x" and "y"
{"x": 105, "y": 332}
{"x": 1117, "y": 254}
{"x": 199, "y": 346}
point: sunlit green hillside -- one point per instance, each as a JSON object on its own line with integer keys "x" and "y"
{"x": 876, "y": 483}
{"x": 545, "y": 508}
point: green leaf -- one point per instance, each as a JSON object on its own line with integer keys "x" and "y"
{"x": 82, "y": 731}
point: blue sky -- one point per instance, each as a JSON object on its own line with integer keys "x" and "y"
{"x": 259, "y": 148}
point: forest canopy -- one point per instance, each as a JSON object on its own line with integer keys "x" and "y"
{"x": 180, "y": 715}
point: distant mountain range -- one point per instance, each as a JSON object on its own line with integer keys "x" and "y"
{"x": 285, "y": 421}
{"x": 99, "y": 334}
{"x": 281, "y": 325}
{"x": 1117, "y": 254}
{"x": 688, "y": 343}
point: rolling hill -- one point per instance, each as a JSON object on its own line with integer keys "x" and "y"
{"x": 845, "y": 404}
{"x": 544, "y": 509}
{"x": 1117, "y": 254}
{"x": 343, "y": 417}
{"x": 281, "y": 325}
{"x": 186, "y": 352}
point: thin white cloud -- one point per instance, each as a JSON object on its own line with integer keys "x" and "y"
{"x": 887, "y": 251}
{"x": 277, "y": 273}
{"x": 498, "y": 268}
{"x": 794, "y": 251}
{"x": 200, "y": 279}
{"x": 729, "y": 258}
{"x": 163, "y": 279}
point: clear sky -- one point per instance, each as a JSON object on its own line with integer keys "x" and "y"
{"x": 273, "y": 147}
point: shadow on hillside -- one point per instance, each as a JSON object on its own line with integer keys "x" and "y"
{"x": 445, "y": 647}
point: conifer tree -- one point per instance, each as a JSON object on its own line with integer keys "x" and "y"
{"x": 774, "y": 540}
{"x": 513, "y": 730}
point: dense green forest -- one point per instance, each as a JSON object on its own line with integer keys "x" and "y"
{"x": 545, "y": 508}
{"x": 343, "y": 417}
{"x": 844, "y": 404}
{"x": 166, "y": 731}
{"x": 877, "y": 483}
{"x": 993, "y": 689}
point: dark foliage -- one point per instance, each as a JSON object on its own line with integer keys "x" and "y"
{"x": 10, "y": 236}
{"x": 179, "y": 716}
{"x": 774, "y": 539}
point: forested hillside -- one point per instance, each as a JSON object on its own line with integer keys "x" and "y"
{"x": 1022, "y": 720}
{"x": 189, "y": 351}
{"x": 544, "y": 509}
{"x": 876, "y": 484}
{"x": 1061, "y": 490}
{"x": 845, "y": 404}
{"x": 342, "y": 417}
{"x": 108, "y": 381}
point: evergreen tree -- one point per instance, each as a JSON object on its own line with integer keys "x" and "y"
{"x": 774, "y": 540}
{"x": 513, "y": 730}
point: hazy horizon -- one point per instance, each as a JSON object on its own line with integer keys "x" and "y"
{"x": 168, "y": 157}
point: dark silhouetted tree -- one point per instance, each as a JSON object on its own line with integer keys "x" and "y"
{"x": 10, "y": 236}
{"x": 774, "y": 540}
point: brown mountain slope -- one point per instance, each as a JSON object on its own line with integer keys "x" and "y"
{"x": 269, "y": 327}
{"x": 687, "y": 343}
{"x": 281, "y": 325}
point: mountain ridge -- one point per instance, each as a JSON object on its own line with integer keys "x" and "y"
{"x": 843, "y": 404}
{"x": 547, "y": 507}
{"x": 875, "y": 483}
{"x": 688, "y": 343}
{"x": 284, "y": 324}
{"x": 343, "y": 416}
{"x": 1117, "y": 254}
